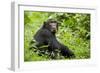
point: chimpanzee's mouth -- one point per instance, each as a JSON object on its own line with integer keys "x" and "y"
{"x": 54, "y": 30}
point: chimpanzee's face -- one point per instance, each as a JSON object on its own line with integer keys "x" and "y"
{"x": 53, "y": 27}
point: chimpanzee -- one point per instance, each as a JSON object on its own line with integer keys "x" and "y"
{"x": 46, "y": 36}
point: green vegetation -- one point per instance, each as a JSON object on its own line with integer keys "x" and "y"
{"x": 74, "y": 32}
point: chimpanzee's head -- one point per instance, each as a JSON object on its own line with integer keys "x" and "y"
{"x": 51, "y": 25}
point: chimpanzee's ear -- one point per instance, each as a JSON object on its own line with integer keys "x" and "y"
{"x": 44, "y": 24}
{"x": 58, "y": 23}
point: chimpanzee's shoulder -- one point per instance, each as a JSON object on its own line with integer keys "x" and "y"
{"x": 45, "y": 31}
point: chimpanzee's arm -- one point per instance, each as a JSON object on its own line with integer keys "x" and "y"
{"x": 45, "y": 37}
